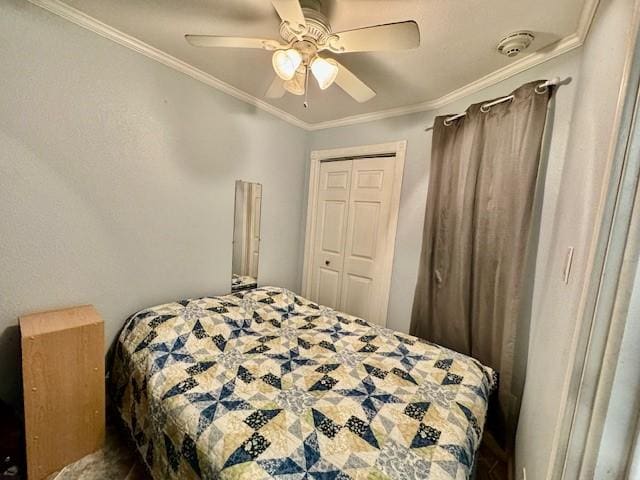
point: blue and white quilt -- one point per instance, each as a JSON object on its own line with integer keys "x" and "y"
{"x": 265, "y": 384}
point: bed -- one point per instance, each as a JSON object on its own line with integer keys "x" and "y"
{"x": 242, "y": 282}
{"x": 265, "y": 384}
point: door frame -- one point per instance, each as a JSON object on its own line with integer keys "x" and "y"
{"x": 607, "y": 296}
{"x": 398, "y": 150}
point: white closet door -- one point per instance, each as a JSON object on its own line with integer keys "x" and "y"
{"x": 351, "y": 236}
{"x": 330, "y": 232}
{"x": 367, "y": 234}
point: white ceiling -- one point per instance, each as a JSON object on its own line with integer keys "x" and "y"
{"x": 458, "y": 40}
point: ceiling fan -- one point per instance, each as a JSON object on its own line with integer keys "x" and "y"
{"x": 306, "y": 32}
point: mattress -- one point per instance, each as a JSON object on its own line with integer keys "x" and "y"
{"x": 266, "y": 384}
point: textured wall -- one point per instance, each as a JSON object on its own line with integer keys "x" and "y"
{"x": 535, "y": 440}
{"x": 414, "y": 186}
{"x": 576, "y": 153}
{"x": 117, "y": 179}
{"x": 576, "y": 175}
{"x": 583, "y": 182}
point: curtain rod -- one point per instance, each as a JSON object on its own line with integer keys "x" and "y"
{"x": 486, "y": 106}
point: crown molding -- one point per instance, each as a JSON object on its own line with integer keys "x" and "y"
{"x": 564, "y": 45}
{"x": 82, "y": 19}
{"x": 556, "y": 49}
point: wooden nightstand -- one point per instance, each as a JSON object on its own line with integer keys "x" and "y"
{"x": 64, "y": 389}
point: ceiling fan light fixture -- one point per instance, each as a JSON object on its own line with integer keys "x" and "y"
{"x": 296, "y": 85}
{"x": 304, "y": 32}
{"x": 286, "y": 62}
{"x": 325, "y": 70}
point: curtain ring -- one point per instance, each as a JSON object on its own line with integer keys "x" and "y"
{"x": 484, "y": 108}
{"x": 542, "y": 90}
{"x": 447, "y": 122}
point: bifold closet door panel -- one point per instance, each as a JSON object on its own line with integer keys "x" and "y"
{"x": 330, "y": 233}
{"x": 366, "y": 238}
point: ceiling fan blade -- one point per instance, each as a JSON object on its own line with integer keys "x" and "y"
{"x": 276, "y": 89}
{"x": 233, "y": 42}
{"x": 353, "y": 85}
{"x": 393, "y": 36}
{"x": 290, "y": 11}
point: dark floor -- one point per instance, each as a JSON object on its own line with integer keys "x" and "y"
{"x": 491, "y": 466}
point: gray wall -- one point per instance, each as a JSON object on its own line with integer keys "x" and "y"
{"x": 576, "y": 174}
{"x": 415, "y": 180}
{"x": 117, "y": 179}
{"x": 411, "y": 221}
{"x": 558, "y": 308}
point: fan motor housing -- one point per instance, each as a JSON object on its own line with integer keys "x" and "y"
{"x": 307, "y": 49}
{"x": 318, "y": 28}
{"x": 516, "y": 42}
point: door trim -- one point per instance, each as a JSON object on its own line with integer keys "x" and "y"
{"x": 396, "y": 152}
{"x": 608, "y": 297}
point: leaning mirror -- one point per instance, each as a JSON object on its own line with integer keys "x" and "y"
{"x": 246, "y": 236}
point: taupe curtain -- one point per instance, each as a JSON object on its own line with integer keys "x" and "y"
{"x": 483, "y": 176}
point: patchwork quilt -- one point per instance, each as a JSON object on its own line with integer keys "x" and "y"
{"x": 265, "y": 384}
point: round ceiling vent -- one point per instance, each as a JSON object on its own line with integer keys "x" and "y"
{"x": 514, "y": 43}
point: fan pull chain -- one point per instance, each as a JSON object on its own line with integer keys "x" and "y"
{"x": 306, "y": 88}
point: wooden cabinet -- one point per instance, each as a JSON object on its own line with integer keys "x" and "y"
{"x": 64, "y": 388}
